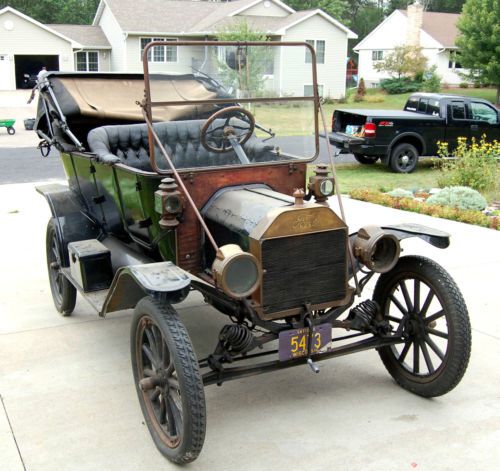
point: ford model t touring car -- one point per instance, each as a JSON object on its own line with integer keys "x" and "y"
{"x": 193, "y": 178}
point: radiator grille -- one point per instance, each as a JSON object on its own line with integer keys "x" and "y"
{"x": 306, "y": 268}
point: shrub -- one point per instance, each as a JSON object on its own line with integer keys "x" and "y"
{"x": 475, "y": 166}
{"x": 400, "y": 193}
{"x": 395, "y": 86}
{"x": 463, "y": 85}
{"x": 459, "y": 197}
{"x": 361, "y": 88}
{"x": 431, "y": 81}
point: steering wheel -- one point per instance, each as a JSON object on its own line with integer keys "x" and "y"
{"x": 227, "y": 136}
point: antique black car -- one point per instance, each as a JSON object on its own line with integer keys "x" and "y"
{"x": 194, "y": 178}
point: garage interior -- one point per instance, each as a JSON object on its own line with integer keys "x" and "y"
{"x": 27, "y": 64}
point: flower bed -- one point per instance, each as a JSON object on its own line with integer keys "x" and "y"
{"x": 477, "y": 218}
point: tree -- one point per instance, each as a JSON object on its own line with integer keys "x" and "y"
{"x": 336, "y": 8}
{"x": 479, "y": 41}
{"x": 405, "y": 61}
{"x": 249, "y": 63}
{"x": 56, "y": 11}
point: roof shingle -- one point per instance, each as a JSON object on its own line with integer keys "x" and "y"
{"x": 86, "y": 35}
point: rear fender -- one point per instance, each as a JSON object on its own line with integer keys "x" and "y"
{"x": 407, "y": 137}
{"x": 67, "y": 210}
{"x": 163, "y": 280}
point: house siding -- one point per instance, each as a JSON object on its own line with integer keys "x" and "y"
{"x": 392, "y": 33}
{"x": 331, "y": 74}
{"x": 261, "y": 10}
{"x": 115, "y": 36}
{"x": 183, "y": 65}
{"x": 27, "y": 38}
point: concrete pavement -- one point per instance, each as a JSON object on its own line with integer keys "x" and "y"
{"x": 69, "y": 399}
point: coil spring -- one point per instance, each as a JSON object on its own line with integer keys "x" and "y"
{"x": 362, "y": 315}
{"x": 237, "y": 337}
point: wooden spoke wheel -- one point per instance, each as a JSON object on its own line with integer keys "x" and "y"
{"x": 168, "y": 381}
{"x": 424, "y": 305}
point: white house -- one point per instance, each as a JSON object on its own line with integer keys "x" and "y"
{"x": 434, "y": 32}
{"x": 130, "y": 24}
{"x": 26, "y": 45}
{"x": 122, "y": 28}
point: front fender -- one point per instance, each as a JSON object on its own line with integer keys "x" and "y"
{"x": 432, "y": 236}
{"x": 162, "y": 280}
{"x": 435, "y": 237}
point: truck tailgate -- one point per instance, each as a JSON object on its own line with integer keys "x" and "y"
{"x": 343, "y": 140}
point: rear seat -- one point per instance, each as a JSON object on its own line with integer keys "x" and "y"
{"x": 129, "y": 145}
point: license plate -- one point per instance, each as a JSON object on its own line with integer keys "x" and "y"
{"x": 293, "y": 343}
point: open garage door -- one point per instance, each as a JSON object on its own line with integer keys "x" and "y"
{"x": 32, "y": 65}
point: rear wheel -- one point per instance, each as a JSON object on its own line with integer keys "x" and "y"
{"x": 366, "y": 159}
{"x": 11, "y": 130}
{"x": 63, "y": 292}
{"x": 404, "y": 158}
{"x": 423, "y": 303}
{"x": 168, "y": 381}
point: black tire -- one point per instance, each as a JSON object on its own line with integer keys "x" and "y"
{"x": 63, "y": 292}
{"x": 439, "y": 354}
{"x": 404, "y": 158}
{"x": 168, "y": 381}
{"x": 366, "y": 159}
{"x": 11, "y": 130}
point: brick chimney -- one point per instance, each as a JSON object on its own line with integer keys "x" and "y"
{"x": 415, "y": 14}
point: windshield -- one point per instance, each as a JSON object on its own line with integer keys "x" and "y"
{"x": 257, "y": 98}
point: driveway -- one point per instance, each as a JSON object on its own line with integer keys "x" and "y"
{"x": 69, "y": 400}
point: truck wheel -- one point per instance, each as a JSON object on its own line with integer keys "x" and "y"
{"x": 365, "y": 159}
{"x": 404, "y": 158}
{"x": 421, "y": 299}
{"x": 11, "y": 130}
{"x": 63, "y": 292}
{"x": 168, "y": 381}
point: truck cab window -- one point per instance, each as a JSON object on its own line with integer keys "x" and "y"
{"x": 457, "y": 110}
{"x": 422, "y": 105}
{"x": 482, "y": 112}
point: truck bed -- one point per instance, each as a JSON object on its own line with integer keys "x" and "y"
{"x": 391, "y": 114}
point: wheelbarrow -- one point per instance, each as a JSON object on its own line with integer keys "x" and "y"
{"x": 9, "y": 124}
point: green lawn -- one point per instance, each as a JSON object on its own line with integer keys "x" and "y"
{"x": 297, "y": 119}
{"x": 379, "y": 177}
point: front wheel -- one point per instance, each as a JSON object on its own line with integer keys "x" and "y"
{"x": 168, "y": 381}
{"x": 423, "y": 303}
{"x": 365, "y": 159}
{"x": 63, "y": 292}
{"x": 404, "y": 158}
{"x": 11, "y": 130}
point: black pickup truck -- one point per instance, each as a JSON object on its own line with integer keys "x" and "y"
{"x": 399, "y": 138}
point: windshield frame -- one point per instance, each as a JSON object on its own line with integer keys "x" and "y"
{"x": 148, "y": 104}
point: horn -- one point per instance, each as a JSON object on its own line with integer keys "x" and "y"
{"x": 377, "y": 249}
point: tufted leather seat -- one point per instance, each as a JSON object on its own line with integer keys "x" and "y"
{"x": 129, "y": 144}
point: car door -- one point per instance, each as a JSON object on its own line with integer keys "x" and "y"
{"x": 484, "y": 121}
{"x": 458, "y": 123}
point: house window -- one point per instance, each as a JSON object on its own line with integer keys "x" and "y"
{"x": 453, "y": 62}
{"x": 377, "y": 55}
{"x": 87, "y": 61}
{"x": 159, "y": 53}
{"x": 319, "y": 47}
{"x": 308, "y": 90}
